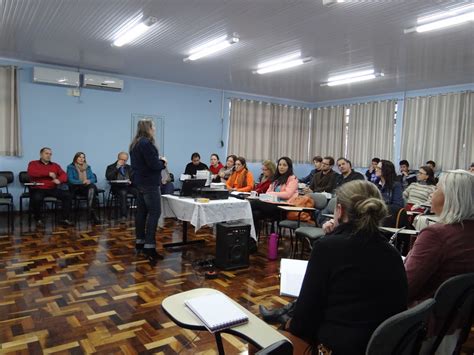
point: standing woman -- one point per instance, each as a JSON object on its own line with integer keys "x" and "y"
{"x": 147, "y": 167}
{"x": 215, "y": 167}
{"x": 82, "y": 181}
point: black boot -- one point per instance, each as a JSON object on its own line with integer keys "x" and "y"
{"x": 273, "y": 316}
{"x": 152, "y": 255}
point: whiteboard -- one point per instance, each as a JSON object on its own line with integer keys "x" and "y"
{"x": 159, "y": 132}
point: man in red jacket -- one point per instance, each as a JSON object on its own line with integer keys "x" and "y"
{"x": 47, "y": 176}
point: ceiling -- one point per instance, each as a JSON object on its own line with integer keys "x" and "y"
{"x": 341, "y": 37}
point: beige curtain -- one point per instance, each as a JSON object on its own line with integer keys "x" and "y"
{"x": 250, "y": 132}
{"x": 9, "y": 118}
{"x": 438, "y": 128}
{"x": 290, "y": 132}
{"x": 328, "y": 131}
{"x": 260, "y": 130}
{"x": 371, "y": 132}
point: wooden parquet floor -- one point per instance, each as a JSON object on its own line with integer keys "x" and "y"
{"x": 82, "y": 290}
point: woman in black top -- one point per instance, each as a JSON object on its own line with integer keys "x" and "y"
{"x": 354, "y": 280}
{"x": 147, "y": 167}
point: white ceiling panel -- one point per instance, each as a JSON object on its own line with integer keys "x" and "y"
{"x": 345, "y": 36}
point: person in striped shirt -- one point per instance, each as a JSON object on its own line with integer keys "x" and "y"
{"x": 420, "y": 192}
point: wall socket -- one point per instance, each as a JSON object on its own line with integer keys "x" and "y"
{"x": 76, "y": 92}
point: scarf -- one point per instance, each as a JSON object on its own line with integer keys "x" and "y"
{"x": 82, "y": 171}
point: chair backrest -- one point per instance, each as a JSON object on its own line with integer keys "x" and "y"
{"x": 281, "y": 347}
{"x": 403, "y": 333}
{"x": 320, "y": 200}
{"x": 9, "y": 175}
{"x": 454, "y": 309}
{"x": 23, "y": 177}
{"x": 3, "y": 182}
{"x": 331, "y": 205}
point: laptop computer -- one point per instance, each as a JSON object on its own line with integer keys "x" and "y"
{"x": 189, "y": 186}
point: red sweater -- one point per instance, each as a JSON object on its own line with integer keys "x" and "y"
{"x": 39, "y": 172}
{"x": 215, "y": 171}
{"x": 262, "y": 187}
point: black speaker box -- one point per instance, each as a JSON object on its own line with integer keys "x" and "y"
{"x": 232, "y": 249}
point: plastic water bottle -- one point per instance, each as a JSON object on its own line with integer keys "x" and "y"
{"x": 272, "y": 246}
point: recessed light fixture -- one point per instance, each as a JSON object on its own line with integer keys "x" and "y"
{"x": 353, "y": 77}
{"x": 285, "y": 62}
{"x": 135, "y": 31}
{"x": 444, "y": 19}
{"x": 212, "y": 47}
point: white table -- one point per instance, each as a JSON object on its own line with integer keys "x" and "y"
{"x": 200, "y": 214}
{"x": 256, "y": 331}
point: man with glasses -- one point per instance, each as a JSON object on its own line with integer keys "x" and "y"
{"x": 325, "y": 180}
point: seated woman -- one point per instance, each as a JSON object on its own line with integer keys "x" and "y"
{"x": 389, "y": 187}
{"x": 354, "y": 280}
{"x": 215, "y": 167}
{"x": 195, "y": 165}
{"x": 241, "y": 179}
{"x": 268, "y": 170}
{"x": 82, "y": 181}
{"x": 228, "y": 169}
{"x": 166, "y": 186}
{"x": 420, "y": 191}
{"x": 444, "y": 249}
{"x": 284, "y": 185}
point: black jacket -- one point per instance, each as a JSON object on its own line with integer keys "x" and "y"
{"x": 354, "y": 175}
{"x": 191, "y": 168}
{"x": 351, "y": 285}
{"x": 146, "y": 164}
{"x": 112, "y": 173}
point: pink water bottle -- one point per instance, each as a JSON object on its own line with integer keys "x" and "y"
{"x": 272, "y": 246}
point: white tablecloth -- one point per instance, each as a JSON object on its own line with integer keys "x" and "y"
{"x": 200, "y": 214}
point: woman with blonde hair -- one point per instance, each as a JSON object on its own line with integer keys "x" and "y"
{"x": 354, "y": 280}
{"x": 268, "y": 170}
{"x": 445, "y": 249}
{"x": 241, "y": 179}
{"x": 147, "y": 167}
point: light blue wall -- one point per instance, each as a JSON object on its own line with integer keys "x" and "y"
{"x": 99, "y": 122}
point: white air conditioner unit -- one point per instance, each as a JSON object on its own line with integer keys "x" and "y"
{"x": 102, "y": 82}
{"x": 55, "y": 77}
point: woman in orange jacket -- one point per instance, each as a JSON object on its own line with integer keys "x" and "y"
{"x": 241, "y": 179}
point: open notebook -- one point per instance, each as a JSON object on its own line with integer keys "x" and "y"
{"x": 216, "y": 311}
{"x": 292, "y": 273}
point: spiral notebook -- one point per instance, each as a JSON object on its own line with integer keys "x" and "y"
{"x": 216, "y": 311}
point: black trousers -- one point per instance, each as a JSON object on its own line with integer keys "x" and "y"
{"x": 262, "y": 210}
{"x": 120, "y": 193}
{"x": 90, "y": 191}
{"x": 37, "y": 196}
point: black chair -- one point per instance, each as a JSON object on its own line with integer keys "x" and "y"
{"x": 10, "y": 177}
{"x": 78, "y": 198}
{"x": 282, "y": 347}
{"x": 453, "y": 315}
{"x": 8, "y": 202}
{"x": 111, "y": 203}
{"x": 24, "y": 179}
{"x": 403, "y": 333}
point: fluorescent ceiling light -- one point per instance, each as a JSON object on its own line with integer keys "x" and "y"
{"x": 285, "y": 62}
{"x": 447, "y": 22}
{"x": 134, "y": 32}
{"x": 286, "y": 58}
{"x": 211, "y": 47}
{"x": 351, "y": 75}
{"x": 354, "y": 77}
{"x": 440, "y": 15}
{"x": 331, "y": 2}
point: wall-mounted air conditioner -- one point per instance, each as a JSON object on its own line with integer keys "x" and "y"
{"x": 102, "y": 82}
{"x": 55, "y": 77}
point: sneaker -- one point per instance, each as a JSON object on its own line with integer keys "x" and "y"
{"x": 67, "y": 223}
{"x": 153, "y": 256}
{"x": 39, "y": 223}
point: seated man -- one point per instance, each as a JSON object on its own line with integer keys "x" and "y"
{"x": 406, "y": 176}
{"x": 370, "y": 173}
{"x": 317, "y": 160}
{"x": 347, "y": 174}
{"x": 325, "y": 180}
{"x": 195, "y": 165}
{"x": 117, "y": 172}
{"x": 48, "y": 176}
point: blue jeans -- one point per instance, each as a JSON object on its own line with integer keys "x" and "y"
{"x": 148, "y": 213}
